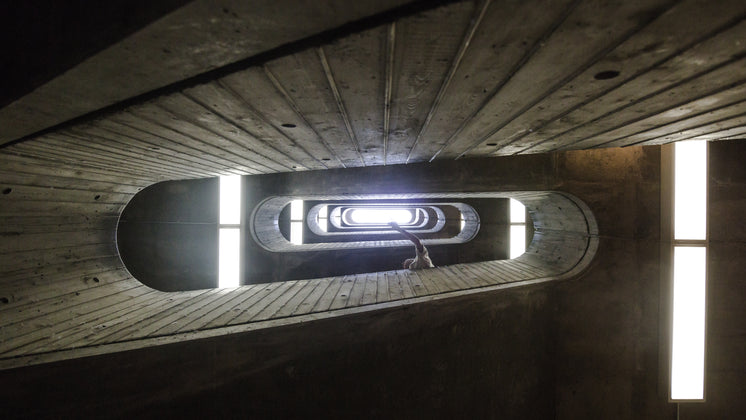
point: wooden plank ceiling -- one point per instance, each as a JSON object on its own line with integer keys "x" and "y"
{"x": 464, "y": 79}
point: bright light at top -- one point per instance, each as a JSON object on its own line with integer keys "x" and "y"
{"x": 230, "y": 200}
{"x": 296, "y": 210}
{"x": 690, "y": 209}
{"x": 381, "y": 216}
{"x": 517, "y": 212}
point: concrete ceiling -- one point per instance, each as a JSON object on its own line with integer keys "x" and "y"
{"x": 285, "y": 85}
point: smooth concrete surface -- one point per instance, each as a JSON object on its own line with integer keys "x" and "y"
{"x": 167, "y": 236}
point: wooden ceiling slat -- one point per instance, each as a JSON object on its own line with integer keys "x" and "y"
{"x": 594, "y": 29}
{"x": 150, "y": 142}
{"x": 134, "y": 126}
{"x": 357, "y": 74}
{"x": 203, "y": 124}
{"x": 714, "y": 131}
{"x": 660, "y": 40}
{"x": 93, "y": 148}
{"x": 691, "y": 89}
{"x": 233, "y": 107}
{"x": 691, "y": 115}
{"x": 626, "y": 103}
{"x": 115, "y": 142}
{"x": 498, "y": 48}
{"x": 268, "y": 102}
{"x": 43, "y": 167}
{"x": 169, "y": 125}
{"x": 304, "y": 81}
{"x": 426, "y": 58}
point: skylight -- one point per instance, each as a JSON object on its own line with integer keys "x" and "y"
{"x": 690, "y": 209}
{"x": 689, "y": 271}
{"x": 296, "y": 222}
{"x": 381, "y": 216}
{"x": 229, "y": 232}
{"x": 517, "y": 228}
{"x": 688, "y": 348}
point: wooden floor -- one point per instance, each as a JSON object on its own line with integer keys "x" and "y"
{"x": 124, "y": 310}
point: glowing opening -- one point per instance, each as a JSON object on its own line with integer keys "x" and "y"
{"x": 517, "y": 228}
{"x": 688, "y": 342}
{"x": 229, "y": 243}
{"x": 230, "y": 200}
{"x": 323, "y": 218}
{"x": 229, "y": 232}
{"x": 517, "y": 211}
{"x": 517, "y": 240}
{"x": 690, "y": 204}
{"x": 296, "y": 222}
{"x": 381, "y": 216}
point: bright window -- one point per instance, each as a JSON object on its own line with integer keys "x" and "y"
{"x": 689, "y": 271}
{"x": 296, "y": 222}
{"x": 229, "y": 232}
{"x": 690, "y": 205}
{"x": 323, "y": 218}
{"x": 688, "y": 348}
{"x": 381, "y": 216}
{"x": 517, "y": 228}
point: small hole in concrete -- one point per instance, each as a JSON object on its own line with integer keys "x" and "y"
{"x": 7, "y": 191}
{"x": 288, "y": 125}
{"x": 491, "y": 144}
{"x": 605, "y": 75}
{"x": 325, "y": 159}
{"x": 97, "y": 197}
{"x": 96, "y": 280}
{"x": 4, "y": 300}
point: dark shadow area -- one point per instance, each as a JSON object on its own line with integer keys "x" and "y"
{"x": 168, "y": 235}
{"x": 42, "y": 39}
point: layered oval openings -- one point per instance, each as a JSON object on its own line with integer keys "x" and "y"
{"x": 175, "y": 235}
{"x": 372, "y": 216}
{"x": 316, "y": 223}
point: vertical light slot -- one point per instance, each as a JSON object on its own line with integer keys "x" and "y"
{"x": 690, "y": 208}
{"x": 517, "y": 228}
{"x": 230, "y": 200}
{"x": 517, "y": 212}
{"x": 296, "y": 222}
{"x": 688, "y": 342}
{"x": 517, "y": 240}
{"x": 323, "y": 218}
{"x": 229, "y": 232}
{"x": 228, "y": 260}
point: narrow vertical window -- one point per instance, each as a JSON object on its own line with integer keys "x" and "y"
{"x": 689, "y": 271}
{"x": 690, "y": 179}
{"x": 517, "y": 228}
{"x": 688, "y": 338}
{"x": 229, "y": 232}
{"x": 296, "y": 222}
{"x": 323, "y": 218}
